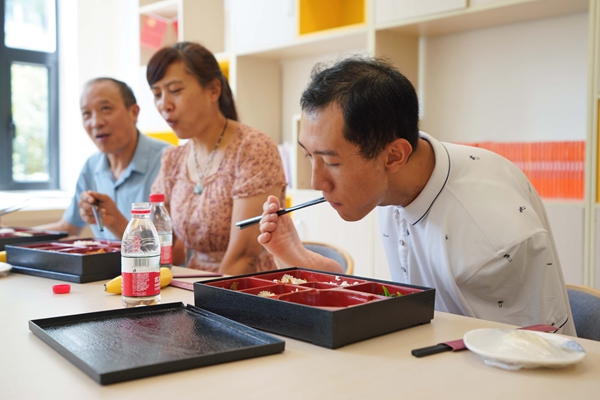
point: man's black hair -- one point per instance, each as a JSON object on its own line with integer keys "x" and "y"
{"x": 378, "y": 103}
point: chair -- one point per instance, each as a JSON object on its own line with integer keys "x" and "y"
{"x": 336, "y": 253}
{"x": 585, "y": 306}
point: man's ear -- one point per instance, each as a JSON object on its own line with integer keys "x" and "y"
{"x": 135, "y": 111}
{"x": 397, "y": 154}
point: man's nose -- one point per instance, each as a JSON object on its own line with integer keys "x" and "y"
{"x": 96, "y": 120}
{"x": 318, "y": 179}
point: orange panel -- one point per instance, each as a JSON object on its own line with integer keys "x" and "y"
{"x": 555, "y": 169}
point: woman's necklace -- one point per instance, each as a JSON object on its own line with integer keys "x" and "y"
{"x": 200, "y": 186}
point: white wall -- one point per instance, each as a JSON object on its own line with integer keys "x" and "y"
{"x": 96, "y": 38}
{"x": 532, "y": 75}
{"x": 295, "y": 78}
{"x": 567, "y": 222}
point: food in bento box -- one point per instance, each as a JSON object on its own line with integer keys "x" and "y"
{"x": 23, "y": 234}
{"x": 99, "y": 251}
{"x": 86, "y": 243}
{"x": 290, "y": 279}
{"x": 234, "y": 286}
{"x": 266, "y": 293}
{"x": 343, "y": 283}
{"x": 387, "y": 293}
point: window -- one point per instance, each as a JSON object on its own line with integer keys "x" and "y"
{"x": 28, "y": 95}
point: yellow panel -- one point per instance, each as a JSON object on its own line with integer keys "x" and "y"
{"x": 353, "y": 12}
{"x": 169, "y": 137}
{"x": 319, "y": 15}
{"x": 224, "y": 65}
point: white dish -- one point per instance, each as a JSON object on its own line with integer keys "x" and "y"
{"x": 4, "y": 268}
{"x": 514, "y": 349}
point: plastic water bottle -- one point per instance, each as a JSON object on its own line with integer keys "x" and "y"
{"x": 162, "y": 222}
{"x": 140, "y": 259}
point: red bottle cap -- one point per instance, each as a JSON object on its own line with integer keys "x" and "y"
{"x": 61, "y": 289}
{"x": 157, "y": 198}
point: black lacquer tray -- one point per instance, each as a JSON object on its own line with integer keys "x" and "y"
{"x": 329, "y": 310}
{"x": 79, "y": 261}
{"x": 28, "y": 235}
{"x": 120, "y": 345}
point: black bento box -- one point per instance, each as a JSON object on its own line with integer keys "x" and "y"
{"x": 28, "y": 235}
{"x": 79, "y": 261}
{"x": 328, "y": 310}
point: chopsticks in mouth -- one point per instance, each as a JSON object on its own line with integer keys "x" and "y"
{"x": 95, "y": 207}
{"x": 255, "y": 220}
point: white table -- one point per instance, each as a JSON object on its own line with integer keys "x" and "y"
{"x": 378, "y": 368}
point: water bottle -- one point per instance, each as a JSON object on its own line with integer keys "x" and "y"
{"x": 140, "y": 259}
{"x": 162, "y": 222}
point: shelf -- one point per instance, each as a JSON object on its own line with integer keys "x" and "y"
{"x": 484, "y": 16}
{"x": 152, "y": 3}
{"x": 300, "y": 165}
{"x": 334, "y": 41}
{"x": 156, "y": 32}
{"x": 224, "y": 65}
{"x": 319, "y": 16}
{"x": 472, "y": 62}
{"x": 169, "y": 137}
{"x": 166, "y": 8}
{"x": 201, "y": 21}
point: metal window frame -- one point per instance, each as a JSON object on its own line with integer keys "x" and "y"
{"x": 8, "y": 56}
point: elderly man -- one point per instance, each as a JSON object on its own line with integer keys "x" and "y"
{"x": 123, "y": 170}
{"x": 457, "y": 218}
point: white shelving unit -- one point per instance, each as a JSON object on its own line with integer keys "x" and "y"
{"x": 434, "y": 43}
{"x": 197, "y": 20}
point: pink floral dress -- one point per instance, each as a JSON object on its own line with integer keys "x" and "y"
{"x": 251, "y": 166}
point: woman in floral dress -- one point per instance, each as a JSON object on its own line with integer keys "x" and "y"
{"x": 223, "y": 174}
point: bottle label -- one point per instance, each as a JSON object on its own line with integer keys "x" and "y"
{"x": 166, "y": 255}
{"x": 165, "y": 239}
{"x": 140, "y": 276}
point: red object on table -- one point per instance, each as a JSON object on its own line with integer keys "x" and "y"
{"x": 61, "y": 289}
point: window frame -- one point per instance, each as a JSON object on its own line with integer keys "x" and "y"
{"x": 8, "y": 56}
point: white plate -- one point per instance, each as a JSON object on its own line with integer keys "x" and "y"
{"x": 514, "y": 349}
{"x": 4, "y": 268}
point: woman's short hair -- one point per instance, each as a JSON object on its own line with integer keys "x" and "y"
{"x": 199, "y": 62}
{"x": 378, "y": 103}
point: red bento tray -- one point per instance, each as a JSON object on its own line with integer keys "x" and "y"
{"x": 77, "y": 260}
{"x": 330, "y": 310}
{"x": 28, "y": 235}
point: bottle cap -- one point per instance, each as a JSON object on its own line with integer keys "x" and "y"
{"x": 140, "y": 208}
{"x": 61, "y": 289}
{"x": 157, "y": 198}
